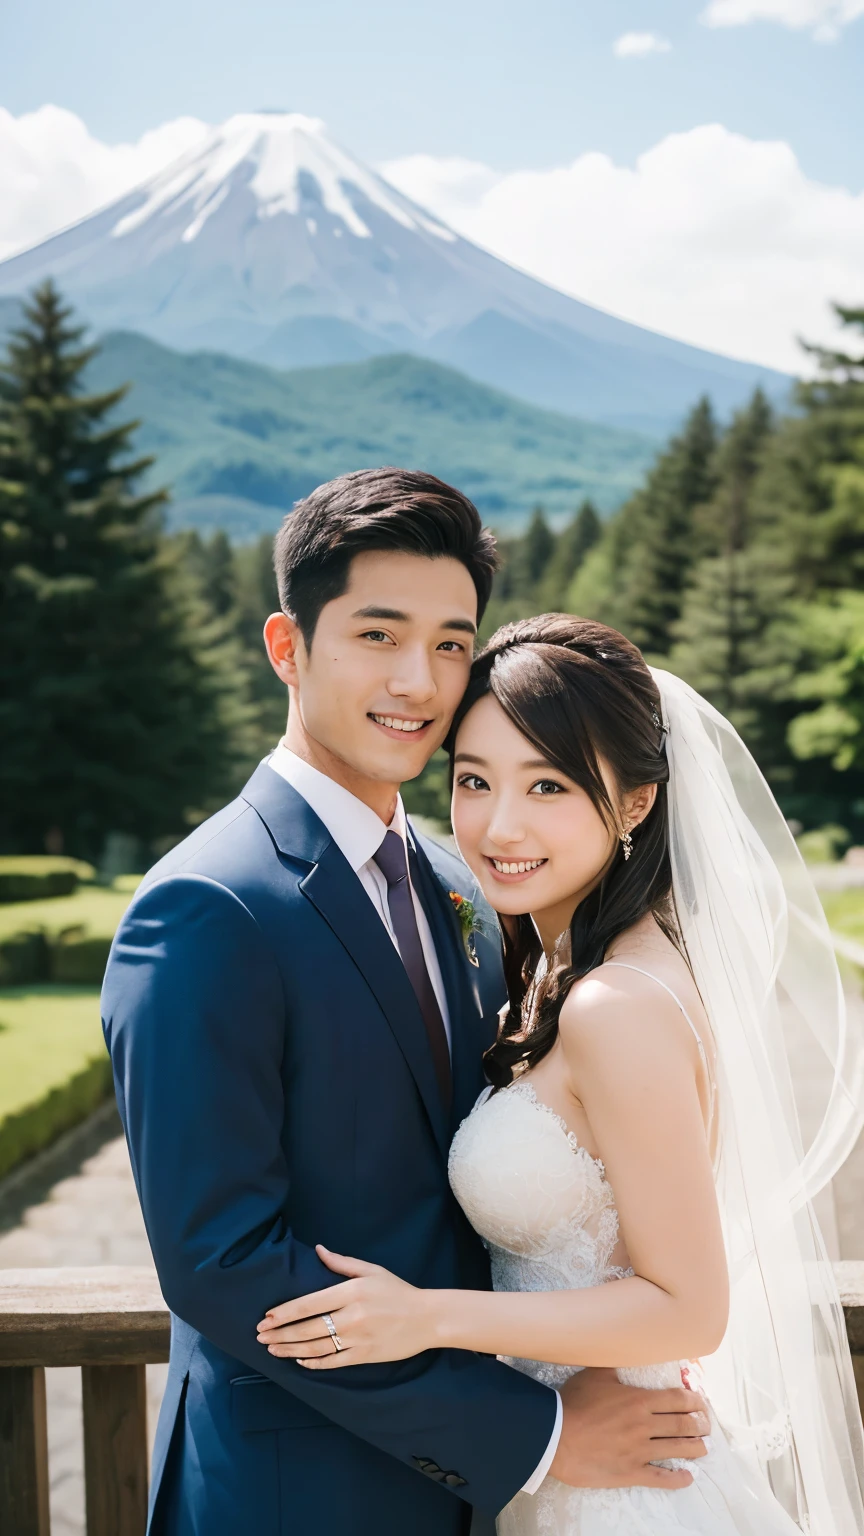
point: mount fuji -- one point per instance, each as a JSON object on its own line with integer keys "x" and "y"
{"x": 271, "y": 243}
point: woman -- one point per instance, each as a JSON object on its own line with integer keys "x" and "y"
{"x": 660, "y": 934}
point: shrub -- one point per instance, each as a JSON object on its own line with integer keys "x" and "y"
{"x": 24, "y": 958}
{"x": 27, "y": 879}
{"x": 37, "y": 1125}
{"x": 78, "y": 958}
{"x": 823, "y": 845}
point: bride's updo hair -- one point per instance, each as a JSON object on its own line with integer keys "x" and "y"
{"x": 579, "y": 692}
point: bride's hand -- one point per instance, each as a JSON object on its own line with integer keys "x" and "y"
{"x": 376, "y": 1316}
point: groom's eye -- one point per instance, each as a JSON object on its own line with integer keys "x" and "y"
{"x": 471, "y": 781}
{"x": 376, "y": 634}
{"x": 451, "y": 645}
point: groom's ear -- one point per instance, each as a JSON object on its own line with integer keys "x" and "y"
{"x": 283, "y": 639}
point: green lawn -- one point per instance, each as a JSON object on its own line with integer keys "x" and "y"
{"x": 96, "y": 908}
{"x": 53, "y": 1065}
{"x": 845, "y": 911}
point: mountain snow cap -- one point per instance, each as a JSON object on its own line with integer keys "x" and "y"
{"x": 270, "y": 152}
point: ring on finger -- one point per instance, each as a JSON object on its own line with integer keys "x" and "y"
{"x": 331, "y": 1329}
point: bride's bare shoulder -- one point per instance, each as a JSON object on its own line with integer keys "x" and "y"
{"x": 621, "y": 1013}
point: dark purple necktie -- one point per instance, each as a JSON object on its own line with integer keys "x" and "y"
{"x": 393, "y": 864}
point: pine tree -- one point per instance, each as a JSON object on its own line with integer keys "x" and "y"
{"x": 834, "y": 638}
{"x": 258, "y": 596}
{"x": 733, "y": 594}
{"x": 666, "y": 540}
{"x": 725, "y": 521}
{"x": 215, "y": 569}
{"x": 734, "y": 644}
{"x": 121, "y": 705}
{"x": 572, "y": 545}
{"x": 810, "y": 495}
{"x": 635, "y": 576}
{"x": 524, "y": 561}
{"x": 531, "y": 554}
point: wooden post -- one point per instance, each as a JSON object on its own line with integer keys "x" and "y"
{"x": 115, "y": 1449}
{"x": 849, "y": 1274}
{"x": 110, "y": 1322}
{"x": 23, "y": 1452}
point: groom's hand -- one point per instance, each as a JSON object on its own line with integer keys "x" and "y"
{"x": 611, "y": 1433}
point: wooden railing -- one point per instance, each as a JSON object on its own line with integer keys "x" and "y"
{"x": 111, "y": 1323}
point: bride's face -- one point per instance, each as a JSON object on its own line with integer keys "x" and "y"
{"x": 535, "y": 841}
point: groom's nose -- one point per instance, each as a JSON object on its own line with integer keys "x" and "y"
{"x": 413, "y": 678}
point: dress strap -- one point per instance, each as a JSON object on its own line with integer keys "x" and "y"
{"x": 623, "y": 966}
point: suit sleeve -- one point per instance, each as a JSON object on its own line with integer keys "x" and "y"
{"x": 195, "y": 1018}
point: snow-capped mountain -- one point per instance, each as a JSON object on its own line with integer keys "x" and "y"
{"x": 273, "y": 243}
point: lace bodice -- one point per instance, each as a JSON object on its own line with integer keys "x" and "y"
{"x": 542, "y": 1205}
{"x": 546, "y": 1212}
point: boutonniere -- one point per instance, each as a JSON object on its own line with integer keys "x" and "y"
{"x": 469, "y": 923}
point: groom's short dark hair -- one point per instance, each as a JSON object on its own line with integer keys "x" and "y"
{"x": 400, "y": 510}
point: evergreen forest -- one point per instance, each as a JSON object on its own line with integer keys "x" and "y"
{"x": 134, "y": 692}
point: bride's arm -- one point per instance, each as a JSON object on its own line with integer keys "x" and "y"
{"x": 635, "y": 1064}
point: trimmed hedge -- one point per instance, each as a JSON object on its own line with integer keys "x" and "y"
{"x": 62, "y": 939}
{"x": 24, "y": 958}
{"x": 54, "y": 1068}
{"x": 79, "y": 959}
{"x": 27, "y": 879}
{"x": 31, "y": 1129}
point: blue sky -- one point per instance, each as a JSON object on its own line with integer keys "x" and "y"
{"x": 510, "y": 83}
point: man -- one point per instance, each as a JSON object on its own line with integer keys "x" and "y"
{"x": 296, "y": 1032}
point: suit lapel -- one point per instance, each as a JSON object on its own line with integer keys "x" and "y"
{"x": 460, "y": 983}
{"x": 336, "y": 893}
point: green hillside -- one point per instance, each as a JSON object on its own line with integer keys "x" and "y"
{"x": 239, "y": 443}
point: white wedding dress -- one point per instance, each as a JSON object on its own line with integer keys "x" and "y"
{"x": 546, "y": 1213}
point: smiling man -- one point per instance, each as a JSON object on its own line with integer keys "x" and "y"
{"x": 296, "y": 1033}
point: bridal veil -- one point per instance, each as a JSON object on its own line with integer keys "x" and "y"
{"x": 762, "y": 957}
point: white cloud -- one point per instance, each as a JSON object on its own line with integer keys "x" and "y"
{"x": 712, "y": 237}
{"x": 461, "y": 182}
{"x": 52, "y": 171}
{"x": 825, "y": 17}
{"x": 635, "y": 45}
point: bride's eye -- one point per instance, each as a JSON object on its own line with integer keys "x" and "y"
{"x": 471, "y": 781}
{"x": 547, "y": 787}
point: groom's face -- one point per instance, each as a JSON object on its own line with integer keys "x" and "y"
{"x": 388, "y": 664}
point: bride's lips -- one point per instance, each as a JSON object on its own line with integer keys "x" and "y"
{"x": 514, "y": 871}
{"x": 401, "y": 727}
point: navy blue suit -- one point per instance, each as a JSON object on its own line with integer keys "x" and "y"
{"x": 277, "y": 1089}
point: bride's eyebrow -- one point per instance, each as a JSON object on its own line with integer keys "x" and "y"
{"x": 531, "y": 762}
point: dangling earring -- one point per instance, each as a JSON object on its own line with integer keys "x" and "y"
{"x": 626, "y": 842}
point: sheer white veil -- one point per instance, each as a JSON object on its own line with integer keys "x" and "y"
{"x": 762, "y": 957}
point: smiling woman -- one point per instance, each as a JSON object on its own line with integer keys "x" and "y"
{"x": 559, "y": 783}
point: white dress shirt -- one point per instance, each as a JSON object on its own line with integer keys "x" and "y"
{"x": 358, "y": 833}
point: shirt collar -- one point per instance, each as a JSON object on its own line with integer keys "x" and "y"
{"x": 354, "y": 827}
